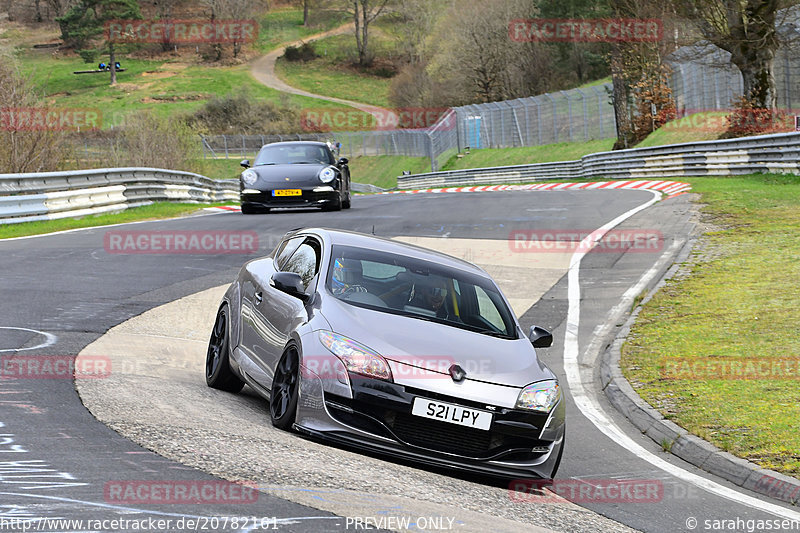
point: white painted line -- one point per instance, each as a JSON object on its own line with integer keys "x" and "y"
{"x": 593, "y": 411}
{"x": 154, "y": 512}
{"x": 49, "y": 339}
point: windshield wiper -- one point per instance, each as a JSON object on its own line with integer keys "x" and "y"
{"x": 493, "y": 333}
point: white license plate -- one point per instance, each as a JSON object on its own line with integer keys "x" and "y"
{"x": 454, "y": 414}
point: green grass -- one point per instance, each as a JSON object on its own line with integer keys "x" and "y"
{"x": 219, "y": 169}
{"x": 741, "y": 301}
{"x": 705, "y": 126}
{"x": 285, "y": 25}
{"x": 383, "y": 170}
{"x": 168, "y": 88}
{"x": 546, "y": 153}
{"x": 595, "y": 83}
{"x": 332, "y": 74}
{"x": 158, "y": 210}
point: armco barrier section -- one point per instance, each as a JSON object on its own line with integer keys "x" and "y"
{"x": 778, "y": 153}
{"x": 51, "y": 195}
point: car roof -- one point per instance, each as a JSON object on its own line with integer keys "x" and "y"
{"x": 290, "y": 143}
{"x": 383, "y": 244}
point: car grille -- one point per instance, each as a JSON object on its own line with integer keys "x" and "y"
{"x": 441, "y": 436}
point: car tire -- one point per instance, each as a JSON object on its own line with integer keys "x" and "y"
{"x": 218, "y": 369}
{"x": 285, "y": 390}
{"x": 335, "y": 206}
{"x": 248, "y": 209}
{"x": 346, "y": 203}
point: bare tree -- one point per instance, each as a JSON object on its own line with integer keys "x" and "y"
{"x": 229, "y": 9}
{"x": 23, "y": 147}
{"x": 364, "y": 13}
{"x": 473, "y": 47}
{"x": 164, "y": 11}
{"x": 641, "y": 96}
{"x": 418, "y": 19}
{"x": 746, "y": 29}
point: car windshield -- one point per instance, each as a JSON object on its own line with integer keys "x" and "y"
{"x": 294, "y": 154}
{"x": 418, "y": 289}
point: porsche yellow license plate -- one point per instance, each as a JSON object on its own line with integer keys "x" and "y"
{"x": 287, "y": 192}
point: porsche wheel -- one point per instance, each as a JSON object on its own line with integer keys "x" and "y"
{"x": 285, "y": 389}
{"x": 248, "y": 209}
{"x": 218, "y": 369}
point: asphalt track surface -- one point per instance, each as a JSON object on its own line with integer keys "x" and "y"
{"x": 56, "y": 460}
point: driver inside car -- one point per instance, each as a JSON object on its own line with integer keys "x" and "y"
{"x": 347, "y": 276}
{"x": 430, "y": 295}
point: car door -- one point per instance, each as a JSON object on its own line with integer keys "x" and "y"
{"x": 255, "y": 328}
{"x": 279, "y": 313}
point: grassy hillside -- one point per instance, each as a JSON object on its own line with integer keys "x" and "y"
{"x": 168, "y": 84}
{"x": 334, "y": 73}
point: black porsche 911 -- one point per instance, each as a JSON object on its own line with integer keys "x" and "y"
{"x": 295, "y": 174}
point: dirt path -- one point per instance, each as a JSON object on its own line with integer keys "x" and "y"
{"x": 263, "y": 70}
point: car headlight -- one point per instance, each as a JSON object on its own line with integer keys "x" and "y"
{"x": 540, "y": 396}
{"x": 249, "y": 176}
{"x": 327, "y": 174}
{"x": 356, "y": 358}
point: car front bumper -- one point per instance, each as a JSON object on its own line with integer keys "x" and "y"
{"x": 378, "y": 418}
{"x": 308, "y": 198}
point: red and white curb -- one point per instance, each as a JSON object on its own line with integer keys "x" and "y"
{"x": 224, "y": 208}
{"x": 670, "y": 188}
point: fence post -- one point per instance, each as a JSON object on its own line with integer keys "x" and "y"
{"x": 569, "y": 113}
{"x": 434, "y": 166}
{"x": 225, "y": 138}
{"x": 585, "y": 117}
{"x": 555, "y": 125}
{"x": 787, "y": 80}
{"x": 600, "y": 110}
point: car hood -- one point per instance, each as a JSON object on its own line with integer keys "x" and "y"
{"x": 435, "y": 346}
{"x": 288, "y": 176}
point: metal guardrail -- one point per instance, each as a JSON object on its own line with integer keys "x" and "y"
{"x": 747, "y": 155}
{"x": 51, "y": 195}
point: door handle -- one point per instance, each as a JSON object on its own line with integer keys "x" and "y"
{"x": 259, "y": 297}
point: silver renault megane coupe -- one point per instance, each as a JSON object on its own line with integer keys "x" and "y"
{"x": 393, "y": 348}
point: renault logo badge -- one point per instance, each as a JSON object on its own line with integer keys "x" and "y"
{"x": 457, "y": 373}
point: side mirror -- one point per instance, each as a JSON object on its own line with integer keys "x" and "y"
{"x": 540, "y": 337}
{"x": 291, "y": 283}
{"x": 343, "y": 160}
{"x": 245, "y": 163}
